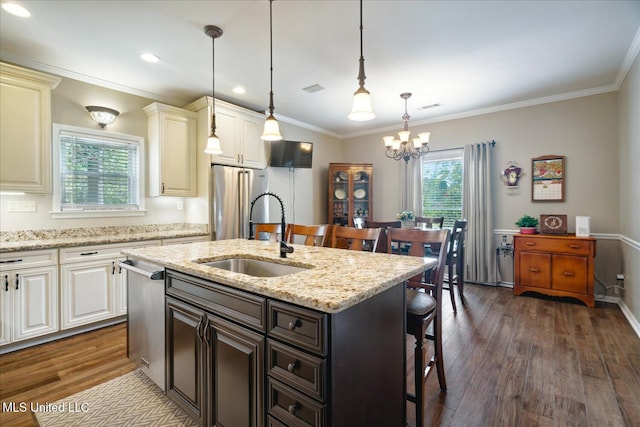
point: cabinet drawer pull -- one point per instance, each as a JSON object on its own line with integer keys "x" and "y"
{"x": 292, "y": 366}
{"x": 568, "y": 274}
{"x": 574, "y": 246}
{"x": 530, "y": 243}
{"x": 294, "y": 324}
{"x": 534, "y": 270}
{"x": 88, "y": 253}
{"x": 293, "y": 408}
{"x": 144, "y": 362}
{"x": 7, "y": 261}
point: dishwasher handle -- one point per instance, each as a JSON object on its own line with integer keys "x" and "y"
{"x": 153, "y": 275}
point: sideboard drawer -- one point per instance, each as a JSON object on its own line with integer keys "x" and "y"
{"x": 568, "y": 246}
{"x": 298, "y": 326}
{"x": 294, "y": 408}
{"x": 298, "y": 369}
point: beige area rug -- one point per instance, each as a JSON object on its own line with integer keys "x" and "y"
{"x": 130, "y": 400}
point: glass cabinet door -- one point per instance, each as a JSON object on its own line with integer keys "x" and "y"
{"x": 340, "y": 197}
{"x": 361, "y": 194}
{"x": 350, "y": 193}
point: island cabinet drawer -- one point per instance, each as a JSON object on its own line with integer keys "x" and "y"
{"x": 558, "y": 245}
{"x": 242, "y": 307}
{"x": 297, "y": 369}
{"x": 107, "y": 251}
{"x": 298, "y": 326}
{"x": 28, "y": 259}
{"x": 293, "y": 408}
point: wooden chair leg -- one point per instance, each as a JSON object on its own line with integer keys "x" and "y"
{"x": 419, "y": 371}
{"x": 460, "y": 277}
{"x": 452, "y": 279}
{"x": 437, "y": 345}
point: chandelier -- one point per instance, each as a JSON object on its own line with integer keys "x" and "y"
{"x": 406, "y": 148}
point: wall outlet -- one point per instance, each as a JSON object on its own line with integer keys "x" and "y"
{"x": 21, "y": 206}
{"x": 620, "y": 276}
{"x": 180, "y": 205}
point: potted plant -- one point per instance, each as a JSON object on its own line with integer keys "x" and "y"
{"x": 407, "y": 218}
{"x": 527, "y": 224}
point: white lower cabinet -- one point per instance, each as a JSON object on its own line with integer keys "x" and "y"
{"x": 29, "y": 295}
{"x": 92, "y": 285}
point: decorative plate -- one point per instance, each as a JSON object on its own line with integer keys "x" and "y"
{"x": 360, "y": 193}
{"x": 357, "y": 176}
{"x": 343, "y": 176}
{"x": 340, "y": 194}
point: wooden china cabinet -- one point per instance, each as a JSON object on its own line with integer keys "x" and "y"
{"x": 350, "y": 192}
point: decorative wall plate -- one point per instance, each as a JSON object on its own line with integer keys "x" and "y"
{"x": 343, "y": 176}
{"x": 360, "y": 193}
{"x": 340, "y": 194}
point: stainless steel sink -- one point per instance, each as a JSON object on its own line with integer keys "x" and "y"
{"x": 255, "y": 267}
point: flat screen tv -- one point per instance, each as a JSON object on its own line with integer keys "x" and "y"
{"x": 291, "y": 154}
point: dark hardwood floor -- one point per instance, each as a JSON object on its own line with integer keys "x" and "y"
{"x": 534, "y": 361}
{"x": 510, "y": 361}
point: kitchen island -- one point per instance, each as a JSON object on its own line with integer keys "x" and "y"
{"x": 324, "y": 346}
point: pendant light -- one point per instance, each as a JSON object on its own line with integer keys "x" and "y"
{"x": 361, "y": 110}
{"x": 213, "y": 142}
{"x": 271, "y": 129}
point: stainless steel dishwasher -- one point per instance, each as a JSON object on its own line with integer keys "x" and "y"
{"x": 145, "y": 317}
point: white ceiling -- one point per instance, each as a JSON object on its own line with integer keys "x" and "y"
{"x": 468, "y": 56}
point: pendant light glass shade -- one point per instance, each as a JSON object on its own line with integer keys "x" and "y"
{"x": 213, "y": 142}
{"x": 361, "y": 109}
{"x": 271, "y": 128}
{"x": 213, "y": 145}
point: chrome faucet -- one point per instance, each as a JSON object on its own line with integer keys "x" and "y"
{"x": 284, "y": 248}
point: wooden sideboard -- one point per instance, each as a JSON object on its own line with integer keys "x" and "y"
{"x": 560, "y": 266}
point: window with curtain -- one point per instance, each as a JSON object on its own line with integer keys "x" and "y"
{"x": 442, "y": 185}
{"x": 97, "y": 171}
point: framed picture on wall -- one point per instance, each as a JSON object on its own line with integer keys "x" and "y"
{"x": 547, "y": 179}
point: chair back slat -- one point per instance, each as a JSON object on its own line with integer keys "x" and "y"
{"x": 357, "y": 239}
{"x": 314, "y": 235}
{"x": 268, "y": 230}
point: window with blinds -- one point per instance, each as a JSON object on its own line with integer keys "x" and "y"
{"x": 442, "y": 185}
{"x": 97, "y": 171}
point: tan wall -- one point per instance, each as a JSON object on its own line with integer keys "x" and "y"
{"x": 629, "y": 179}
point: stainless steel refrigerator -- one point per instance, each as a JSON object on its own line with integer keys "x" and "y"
{"x": 231, "y": 191}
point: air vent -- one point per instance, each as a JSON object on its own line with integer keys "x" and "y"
{"x": 313, "y": 88}
{"x": 426, "y": 107}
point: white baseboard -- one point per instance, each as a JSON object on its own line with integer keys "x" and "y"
{"x": 630, "y": 317}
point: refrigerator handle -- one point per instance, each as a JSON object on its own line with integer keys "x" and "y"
{"x": 243, "y": 182}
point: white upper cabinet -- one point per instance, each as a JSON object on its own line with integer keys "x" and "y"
{"x": 25, "y": 129}
{"x": 172, "y": 151}
{"x": 239, "y": 131}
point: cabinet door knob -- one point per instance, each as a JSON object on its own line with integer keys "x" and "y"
{"x": 293, "y": 408}
{"x": 294, "y": 324}
{"x": 17, "y": 281}
{"x": 6, "y": 282}
{"x": 534, "y": 270}
{"x": 568, "y": 274}
{"x": 292, "y": 366}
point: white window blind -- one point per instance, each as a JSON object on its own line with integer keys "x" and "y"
{"x": 98, "y": 173}
{"x": 442, "y": 185}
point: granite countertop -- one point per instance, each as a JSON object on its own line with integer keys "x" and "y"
{"x": 27, "y": 240}
{"x": 336, "y": 280}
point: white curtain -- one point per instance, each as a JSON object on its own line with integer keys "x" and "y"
{"x": 411, "y": 183}
{"x": 477, "y": 209}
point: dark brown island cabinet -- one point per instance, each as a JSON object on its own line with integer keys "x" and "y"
{"x": 561, "y": 266}
{"x": 234, "y": 358}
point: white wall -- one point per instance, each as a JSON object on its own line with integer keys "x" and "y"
{"x": 629, "y": 182}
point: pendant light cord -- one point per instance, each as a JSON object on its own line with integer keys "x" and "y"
{"x": 271, "y": 56}
{"x": 361, "y": 76}
{"x": 213, "y": 85}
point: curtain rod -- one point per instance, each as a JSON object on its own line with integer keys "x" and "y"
{"x": 491, "y": 143}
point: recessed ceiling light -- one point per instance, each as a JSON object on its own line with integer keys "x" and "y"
{"x": 239, "y": 90}
{"x": 426, "y": 107}
{"x": 149, "y": 57}
{"x": 16, "y": 9}
{"x": 313, "y": 88}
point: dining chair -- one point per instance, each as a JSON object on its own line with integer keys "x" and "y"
{"x": 267, "y": 231}
{"x": 313, "y": 235}
{"x": 358, "y": 239}
{"x": 424, "y": 307}
{"x": 429, "y": 222}
{"x": 455, "y": 262}
{"x": 382, "y": 243}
